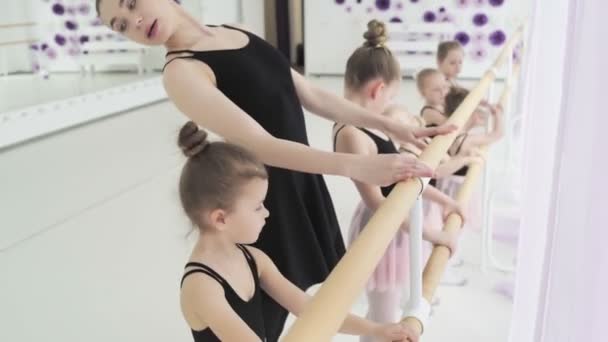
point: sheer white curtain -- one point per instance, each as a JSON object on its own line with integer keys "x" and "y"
{"x": 563, "y": 261}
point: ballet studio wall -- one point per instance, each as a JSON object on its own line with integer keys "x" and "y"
{"x": 334, "y": 28}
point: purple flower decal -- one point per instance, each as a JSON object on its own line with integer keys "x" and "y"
{"x": 496, "y": 3}
{"x": 60, "y": 40}
{"x": 480, "y": 19}
{"x": 478, "y": 54}
{"x": 58, "y": 9}
{"x": 71, "y": 25}
{"x": 383, "y": 5}
{"x": 462, "y": 37}
{"x": 51, "y": 53}
{"x": 429, "y": 17}
{"x": 497, "y": 38}
{"x": 462, "y": 3}
{"x": 84, "y": 8}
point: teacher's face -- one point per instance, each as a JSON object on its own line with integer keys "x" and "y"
{"x": 148, "y": 22}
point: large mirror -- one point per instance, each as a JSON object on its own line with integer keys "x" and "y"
{"x": 55, "y": 54}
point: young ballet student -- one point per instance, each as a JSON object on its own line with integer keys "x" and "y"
{"x": 450, "y": 56}
{"x": 222, "y": 189}
{"x": 372, "y": 81}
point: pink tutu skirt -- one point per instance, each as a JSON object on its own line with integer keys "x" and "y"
{"x": 450, "y": 186}
{"x": 392, "y": 272}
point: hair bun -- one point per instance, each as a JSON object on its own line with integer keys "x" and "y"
{"x": 192, "y": 140}
{"x": 376, "y": 34}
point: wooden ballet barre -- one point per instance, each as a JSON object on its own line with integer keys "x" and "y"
{"x": 19, "y": 42}
{"x": 13, "y": 25}
{"x": 437, "y": 263}
{"x": 323, "y": 316}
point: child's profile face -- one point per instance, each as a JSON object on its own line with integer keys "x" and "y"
{"x": 435, "y": 89}
{"x": 248, "y": 216}
{"x": 452, "y": 64}
{"x": 385, "y": 96}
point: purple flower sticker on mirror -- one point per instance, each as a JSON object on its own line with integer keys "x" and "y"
{"x": 383, "y": 5}
{"x": 479, "y": 37}
{"x": 429, "y": 17}
{"x": 60, "y": 39}
{"x": 58, "y": 9}
{"x": 462, "y": 3}
{"x": 478, "y": 54}
{"x": 51, "y": 53}
{"x": 497, "y": 38}
{"x": 480, "y": 19}
{"x": 462, "y": 37}
{"x": 84, "y": 8}
{"x": 71, "y": 25}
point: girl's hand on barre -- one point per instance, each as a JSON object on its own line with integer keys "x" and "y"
{"x": 385, "y": 169}
{"x": 478, "y": 118}
{"x": 496, "y": 110}
{"x": 474, "y": 156}
{"x": 454, "y": 208}
{"x": 409, "y": 134}
{"x": 396, "y": 332}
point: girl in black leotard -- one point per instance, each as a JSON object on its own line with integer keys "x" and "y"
{"x": 372, "y": 81}
{"x": 223, "y": 282}
{"x": 235, "y": 84}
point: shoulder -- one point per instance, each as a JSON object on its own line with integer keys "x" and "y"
{"x": 432, "y": 115}
{"x": 350, "y": 139}
{"x": 177, "y": 70}
{"x": 200, "y": 285}
{"x": 262, "y": 260}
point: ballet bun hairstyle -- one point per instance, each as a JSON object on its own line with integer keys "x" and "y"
{"x": 454, "y": 98}
{"x": 372, "y": 60}
{"x": 214, "y": 173}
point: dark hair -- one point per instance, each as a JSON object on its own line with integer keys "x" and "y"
{"x": 214, "y": 173}
{"x": 97, "y": 2}
{"x": 372, "y": 59}
{"x": 454, "y": 98}
{"x": 423, "y": 76}
{"x": 444, "y": 49}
